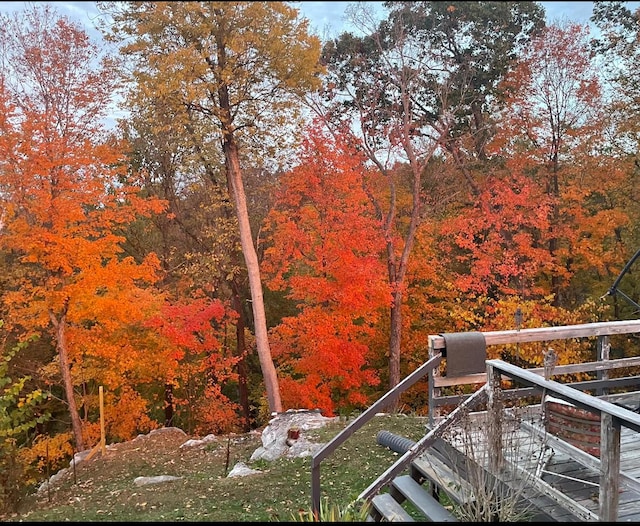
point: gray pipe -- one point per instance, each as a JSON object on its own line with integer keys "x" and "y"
{"x": 395, "y": 443}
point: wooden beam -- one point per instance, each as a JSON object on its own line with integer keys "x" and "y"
{"x": 610, "y": 458}
{"x": 626, "y": 417}
{"x": 587, "y": 460}
{"x": 585, "y": 330}
{"x": 569, "y": 504}
{"x": 446, "y": 381}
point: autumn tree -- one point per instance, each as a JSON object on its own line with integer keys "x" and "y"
{"x": 418, "y": 87}
{"x": 197, "y": 240}
{"x": 64, "y": 194}
{"x": 542, "y": 236}
{"x": 198, "y": 364}
{"x": 617, "y": 48}
{"x": 323, "y": 249}
{"x": 479, "y": 42}
{"x": 384, "y": 85}
{"x": 555, "y": 130}
{"x": 229, "y": 72}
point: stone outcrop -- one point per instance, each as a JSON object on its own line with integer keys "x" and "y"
{"x": 275, "y": 437}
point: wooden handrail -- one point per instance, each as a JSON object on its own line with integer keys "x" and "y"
{"x": 596, "y": 405}
{"x": 565, "y": 332}
{"x": 612, "y": 416}
{"x": 618, "y": 415}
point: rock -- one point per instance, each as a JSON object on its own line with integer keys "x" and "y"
{"x": 275, "y": 442}
{"x": 165, "y": 430}
{"x": 201, "y": 442}
{"x": 79, "y": 457}
{"x": 145, "y": 481}
{"x": 161, "y": 431}
{"x": 302, "y": 448}
{"x": 242, "y": 470}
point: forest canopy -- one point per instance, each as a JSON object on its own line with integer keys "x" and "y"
{"x": 215, "y": 215}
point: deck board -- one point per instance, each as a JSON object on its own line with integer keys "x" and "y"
{"x": 577, "y": 482}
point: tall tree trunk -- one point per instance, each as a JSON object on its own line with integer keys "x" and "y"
{"x": 554, "y": 191}
{"x": 394, "y": 344}
{"x": 65, "y": 370}
{"x": 397, "y": 279}
{"x": 398, "y": 266}
{"x": 236, "y": 188}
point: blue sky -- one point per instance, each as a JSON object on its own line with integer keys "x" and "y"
{"x": 330, "y": 15}
{"x": 326, "y": 18}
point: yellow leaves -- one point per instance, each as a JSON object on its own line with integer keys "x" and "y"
{"x": 50, "y": 453}
{"x": 222, "y": 62}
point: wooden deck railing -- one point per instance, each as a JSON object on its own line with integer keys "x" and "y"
{"x": 613, "y": 416}
{"x": 599, "y": 330}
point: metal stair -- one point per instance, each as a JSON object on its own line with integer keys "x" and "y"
{"x": 407, "y": 500}
{"x": 390, "y": 507}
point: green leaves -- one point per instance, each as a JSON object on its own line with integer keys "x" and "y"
{"x": 18, "y": 410}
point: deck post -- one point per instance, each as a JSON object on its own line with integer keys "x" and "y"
{"x": 431, "y": 388}
{"x": 315, "y": 491}
{"x": 494, "y": 411}
{"x": 603, "y": 354}
{"x": 609, "y": 468}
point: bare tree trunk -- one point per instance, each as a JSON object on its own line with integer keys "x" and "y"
{"x": 65, "y": 370}
{"x": 394, "y": 343}
{"x": 168, "y": 405}
{"x": 236, "y": 187}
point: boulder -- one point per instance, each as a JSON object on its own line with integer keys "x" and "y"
{"x": 276, "y": 441}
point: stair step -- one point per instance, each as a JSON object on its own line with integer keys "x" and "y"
{"x": 420, "y": 498}
{"x": 456, "y": 487}
{"x": 390, "y": 509}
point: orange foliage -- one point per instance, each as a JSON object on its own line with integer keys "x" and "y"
{"x": 47, "y": 455}
{"x": 65, "y": 196}
{"x": 543, "y": 224}
{"x": 552, "y": 129}
{"x": 499, "y": 243}
{"x": 126, "y": 415}
{"x": 197, "y": 362}
{"x": 324, "y": 251}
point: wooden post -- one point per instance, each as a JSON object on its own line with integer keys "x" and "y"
{"x": 315, "y": 491}
{"x": 603, "y": 354}
{"x": 102, "y": 437}
{"x": 494, "y": 412}
{"x": 431, "y": 389}
{"x": 609, "y": 467}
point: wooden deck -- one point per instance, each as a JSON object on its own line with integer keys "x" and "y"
{"x": 559, "y": 481}
{"x": 513, "y": 453}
